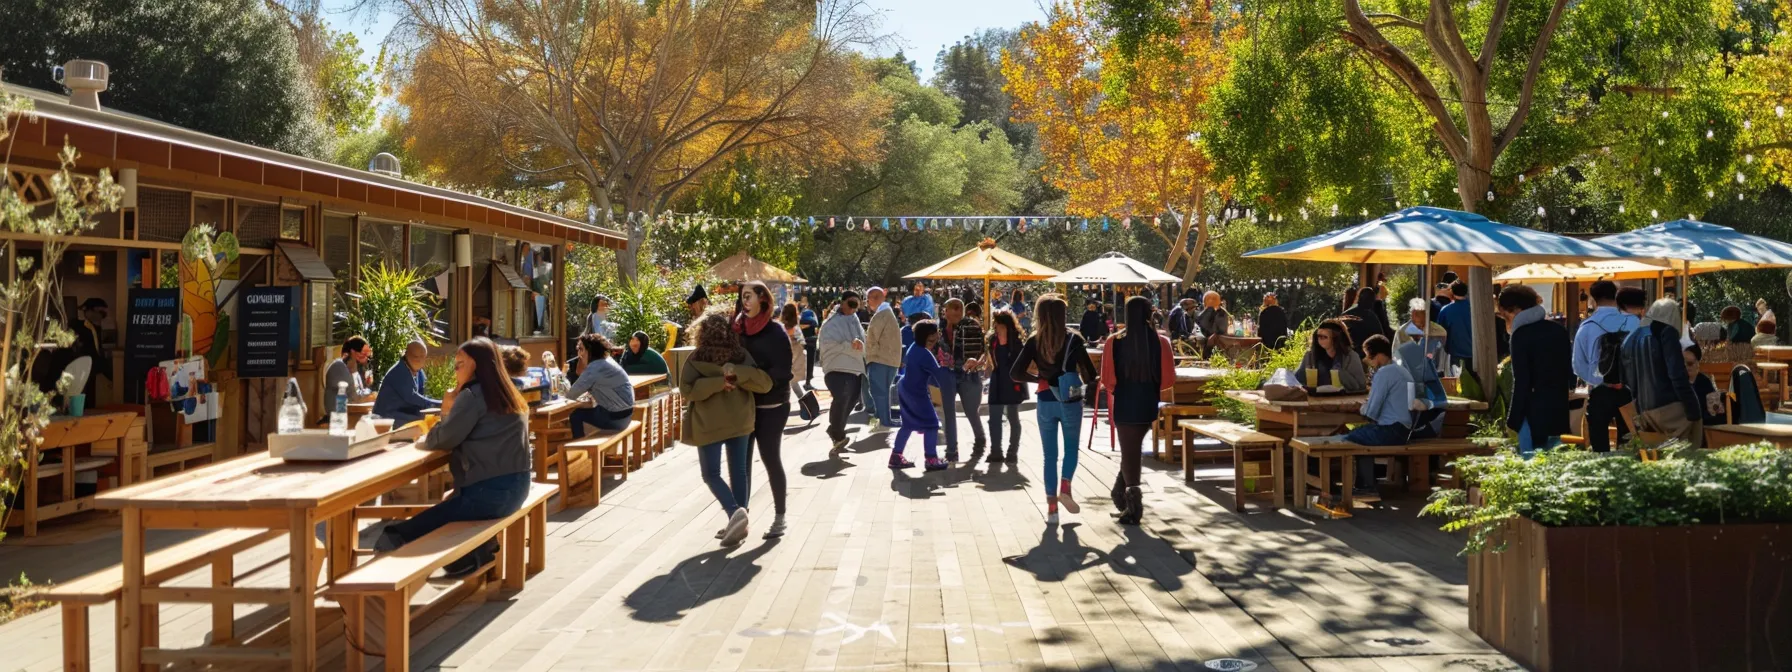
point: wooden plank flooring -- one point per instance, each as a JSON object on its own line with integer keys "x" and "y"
{"x": 888, "y": 570}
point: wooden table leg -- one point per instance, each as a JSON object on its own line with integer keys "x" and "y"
{"x": 343, "y": 537}
{"x": 513, "y": 555}
{"x": 130, "y": 607}
{"x": 1349, "y": 482}
{"x": 303, "y": 608}
{"x": 398, "y": 630}
{"x": 1237, "y": 475}
{"x": 223, "y": 611}
{"x": 75, "y": 638}
{"x": 1275, "y": 473}
{"x": 354, "y": 624}
{"x": 1325, "y": 479}
{"x": 1300, "y": 478}
{"x": 538, "y": 538}
{"x": 1188, "y": 466}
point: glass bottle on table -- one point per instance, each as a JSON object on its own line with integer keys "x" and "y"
{"x": 292, "y": 409}
{"x": 339, "y": 417}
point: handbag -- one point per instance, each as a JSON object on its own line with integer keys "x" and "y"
{"x": 1069, "y": 388}
{"x": 808, "y": 407}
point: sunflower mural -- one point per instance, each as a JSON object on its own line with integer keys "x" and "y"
{"x": 206, "y": 261}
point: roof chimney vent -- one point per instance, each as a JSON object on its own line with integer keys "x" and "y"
{"x": 386, "y": 164}
{"x": 84, "y": 80}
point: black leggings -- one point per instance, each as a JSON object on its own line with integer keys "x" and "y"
{"x": 768, "y": 435}
{"x": 1132, "y": 445}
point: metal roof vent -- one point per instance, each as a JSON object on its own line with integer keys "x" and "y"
{"x": 84, "y": 80}
{"x": 385, "y": 164}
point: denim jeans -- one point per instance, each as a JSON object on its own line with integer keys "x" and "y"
{"x": 1529, "y": 445}
{"x": 879, "y": 378}
{"x": 1057, "y": 419}
{"x": 968, "y": 390}
{"x": 599, "y": 418}
{"x": 996, "y": 412}
{"x": 494, "y": 497}
{"x": 1374, "y": 435}
{"x": 732, "y": 493}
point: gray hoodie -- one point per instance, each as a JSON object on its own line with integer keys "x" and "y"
{"x": 837, "y": 354}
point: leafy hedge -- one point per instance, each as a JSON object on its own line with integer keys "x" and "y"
{"x": 1573, "y": 488}
{"x": 1286, "y": 357}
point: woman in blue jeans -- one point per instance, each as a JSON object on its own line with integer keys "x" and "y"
{"x": 486, "y": 431}
{"x": 719, "y": 381}
{"x": 612, "y": 395}
{"x": 1057, "y": 361}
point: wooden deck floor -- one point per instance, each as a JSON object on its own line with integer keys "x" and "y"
{"x": 899, "y": 570}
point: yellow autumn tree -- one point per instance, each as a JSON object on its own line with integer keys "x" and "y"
{"x": 628, "y": 102}
{"x": 1117, "y": 127}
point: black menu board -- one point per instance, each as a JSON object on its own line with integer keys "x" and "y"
{"x": 264, "y": 316}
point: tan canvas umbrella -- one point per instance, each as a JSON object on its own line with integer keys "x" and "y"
{"x": 1115, "y": 268}
{"x": 742, "y": 267}
{"x": 1615, "y": 269}
{"x": 988, "y": 263}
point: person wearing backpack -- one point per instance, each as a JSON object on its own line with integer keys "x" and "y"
{"x": 1056, "y": 360}
{"x": 1596, "y": 346}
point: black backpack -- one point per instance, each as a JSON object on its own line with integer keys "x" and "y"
{"x": 1610, "y": 344}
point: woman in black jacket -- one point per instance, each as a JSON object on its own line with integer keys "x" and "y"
{"x": 1139, "y": 368}
{"x": 1364, "y": 319}
{"x": 1542, "y": 371}
{"x": 769, "y": 344}
{"x": 1048, "y": 359}
{"x": 1005, "y": 394}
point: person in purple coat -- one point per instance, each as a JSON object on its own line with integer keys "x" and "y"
{"x": 920, "y": 370}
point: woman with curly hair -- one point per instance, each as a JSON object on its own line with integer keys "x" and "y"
{"x": 719, "y": 380}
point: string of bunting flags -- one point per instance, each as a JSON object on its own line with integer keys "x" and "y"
{"x": 982, "y": 224}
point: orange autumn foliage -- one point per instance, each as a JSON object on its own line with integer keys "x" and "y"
{"x": 1118, "y": 133}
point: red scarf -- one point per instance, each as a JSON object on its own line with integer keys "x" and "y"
{"x": 751, "y": 326}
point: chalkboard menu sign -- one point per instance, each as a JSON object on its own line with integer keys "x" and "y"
{"x": 152, "y": 318}
{"x": 264, "y": 338}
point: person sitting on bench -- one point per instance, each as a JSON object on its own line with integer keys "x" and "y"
{"x": 1332, "y": 365}
{"x": 608, "y": 385}
{"x": 1389, "y": 410}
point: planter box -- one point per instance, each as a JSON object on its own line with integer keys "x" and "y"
{"x": 1705, "y": 597}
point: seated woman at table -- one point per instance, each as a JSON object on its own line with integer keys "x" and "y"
{"x": 486, "y": 432}
{"x": 1703, "y": 387}
{"x": 1765, "y": 331}
{"x": 1332, "y": 363}
{"x": 640, "y": 359}
{"x": 401, "y": 396}
{"x": 607, "y": 384}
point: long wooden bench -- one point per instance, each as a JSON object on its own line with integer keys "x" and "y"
{"x": 611, "y": 452}
{"x": 395, "y": 577}
{"x": 1328, "y": 448}
{"x": 1163, "y": 434}
{"x": 216, "y": 549}
{"x": 1239, "y": 439}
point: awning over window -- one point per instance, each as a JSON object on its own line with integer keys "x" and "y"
{"x": 311, "y": 268}
{"x": 511, "y": 276}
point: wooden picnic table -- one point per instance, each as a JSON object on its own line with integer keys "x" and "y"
{"x": 644, "y": 384}
{"x": 1774, "y": 353}
{"x": 1719, "y": 436}
{"x": 1319, "y": 416}
{"x": 550, "y": 426}
{"x": 255, "y": 491}
{"x": 1191, "y": 383}
{"x": 70, "y": 439}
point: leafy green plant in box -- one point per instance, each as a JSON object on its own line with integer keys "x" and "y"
{"x": 1286, "y": 357}
{"x": 1569, "y": 488}
{"x": 391, "y": 309}
{"x": 438, "y": 377}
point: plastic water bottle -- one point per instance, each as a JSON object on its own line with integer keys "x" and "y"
{"x": 339, "y": 418}
{"x": 292, "y": 410}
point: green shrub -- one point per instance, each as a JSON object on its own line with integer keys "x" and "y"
{"x": 438, "y": 377}
{"x": 1572, "y": 488}
{"x": 1286, "y": 357}
{"x": 391, "y": 309}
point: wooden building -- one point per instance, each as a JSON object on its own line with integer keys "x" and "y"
{"x": 298, "y": 222}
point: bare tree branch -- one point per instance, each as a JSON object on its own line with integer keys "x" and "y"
{"x": 1531, "y": 71}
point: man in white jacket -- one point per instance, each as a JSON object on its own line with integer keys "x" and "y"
{"x": 883, "y": 356}
{"x": 842, "y": 363}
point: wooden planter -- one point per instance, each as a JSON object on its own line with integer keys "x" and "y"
{"x": 1704, "y": 597}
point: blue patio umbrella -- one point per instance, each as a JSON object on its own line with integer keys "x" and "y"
{"x": 1700, "y": 247}
{"x": 1427, "y": 235}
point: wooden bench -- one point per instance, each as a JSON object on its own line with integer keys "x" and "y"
{"x": 1163, "y": 434}
{"x": 1239, "y": 439}
{"x": 181, "y": 459}
{"x": 216, "y": 549}
{"x": 1327, "y": 448}
{"x": 610, "y": 451}
{"x": 396, "y": 576}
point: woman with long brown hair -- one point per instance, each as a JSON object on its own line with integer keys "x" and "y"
{"x": 486, "y": 431}
{"x": 719, "y": 381}
{"x": 1137, "y": 368}
{"x": 769, "y": 344}
{"x": 1057, "y": 360}
{"x": 1005, "y": 393}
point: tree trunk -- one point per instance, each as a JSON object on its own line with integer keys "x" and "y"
{"x": 1472, "y": 181}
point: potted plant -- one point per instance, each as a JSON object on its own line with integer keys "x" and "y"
{"x": 1586, "y": 561}
{"x": 391, "y": 309}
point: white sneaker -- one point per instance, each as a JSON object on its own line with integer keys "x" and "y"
{"x": 777, "y": 528}
{"x": 737, "y": 528}
{"x": 1051, "y": 518}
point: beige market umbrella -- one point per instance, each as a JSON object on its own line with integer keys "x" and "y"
{"x": 1115, "y": 268}
{"x": 988, "y": 263}
{"x": 743, "y": 267}
{"x": 1618, "y": 269}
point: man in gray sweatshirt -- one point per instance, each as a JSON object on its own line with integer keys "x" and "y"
{"x": 842, "y": 363}
{"x": 883, "y": 356}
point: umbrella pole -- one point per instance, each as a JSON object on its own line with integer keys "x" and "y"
{"x": 1685, "y": 295}
{"x": 986, "y": 302}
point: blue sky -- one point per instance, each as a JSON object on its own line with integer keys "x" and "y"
{"x": 921, "y": 28}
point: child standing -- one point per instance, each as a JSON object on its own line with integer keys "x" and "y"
{"x": 920, "y": 369}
